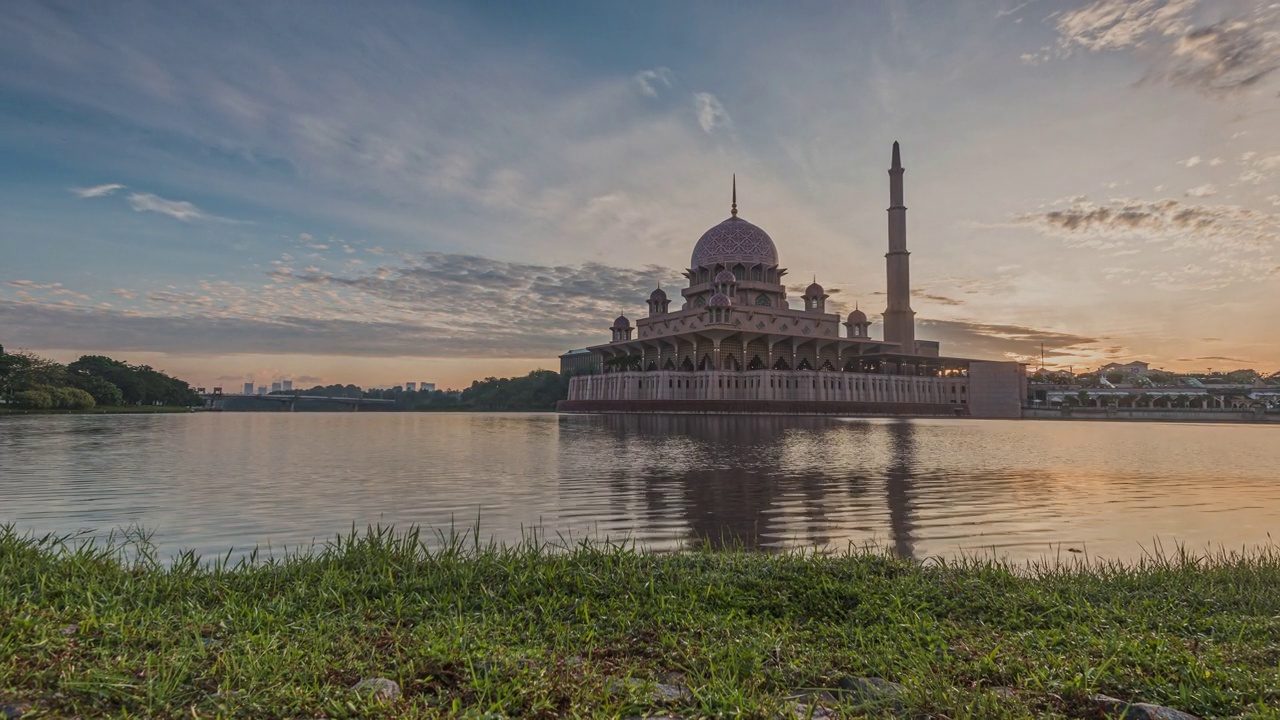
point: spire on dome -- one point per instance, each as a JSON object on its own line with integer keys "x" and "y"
{"x": 733, "y": 212}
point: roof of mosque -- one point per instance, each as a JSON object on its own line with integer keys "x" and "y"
{"x": 734, "y": 241}
{"x": 719, "y": 300}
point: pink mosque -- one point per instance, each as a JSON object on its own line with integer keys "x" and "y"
{"x": 735, "y": 344}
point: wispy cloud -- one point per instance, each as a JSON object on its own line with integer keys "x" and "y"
{"x": 711, "y": 114}
{"x": 177, "y": 209}
{"x": 1230, "y": 54}
{"x": 650, "y": 81}
{"x": 97, "y": 190}
{"x": 1200, "y": 191}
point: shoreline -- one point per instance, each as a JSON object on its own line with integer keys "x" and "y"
{"x": 377, "y": 624}
{"x": 125, "y": 410}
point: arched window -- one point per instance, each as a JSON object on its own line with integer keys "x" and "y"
{"x": 804, "y": 365}
{"x": 755, "y": 273}
{"x": 781, "y": 364}
{"x": 756, "y": 363}
{"x": 669, "y": 365}
{"x": 687, "y": 365}
{"x": 739, "y": 272}
{"x": 762, "y": 300}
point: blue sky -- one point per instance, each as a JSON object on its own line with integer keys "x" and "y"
{"x": 385, "y": 192}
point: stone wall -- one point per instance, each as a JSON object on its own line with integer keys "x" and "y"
{"x": 771, "y": 385}
{"x": 762, "y": 407}
{"x": 997, "y": 389}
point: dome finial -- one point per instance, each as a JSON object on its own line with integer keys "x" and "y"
{"x": 733, "y": 211}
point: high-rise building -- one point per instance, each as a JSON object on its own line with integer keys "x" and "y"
{"x": 248, "y": 388}
{"x": 411, "y": 386}
{"x": 262, "y": 389}
{"x": 275, "y": 387}
{"x": 287, "y": 385}
{"x": 427, "y": 387}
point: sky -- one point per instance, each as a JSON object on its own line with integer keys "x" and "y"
{"x": 384, "y": 192}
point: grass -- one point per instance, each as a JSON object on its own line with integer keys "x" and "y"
{"x": 540, "y": 631}
{"x": 102, "y": 410}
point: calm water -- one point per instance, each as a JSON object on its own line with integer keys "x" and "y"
{"x": 1024, "y": 489}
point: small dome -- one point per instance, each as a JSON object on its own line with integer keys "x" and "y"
{"x": 814, "y": 290}
{"x": 734, "y": 241}
{"x": 658, "y": 295}
{"x": 621, "y": 323}
{"x": 724, "y": 276}
{"x": 857, "y": 316}
{"x": 719, "y": 300}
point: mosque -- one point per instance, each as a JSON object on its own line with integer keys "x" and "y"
{"x": 735, "y": 344}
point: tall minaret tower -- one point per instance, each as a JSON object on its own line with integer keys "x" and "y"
{"x": 899, "y": 318}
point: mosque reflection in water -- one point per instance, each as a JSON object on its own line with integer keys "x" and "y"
{"x": 760, "y": 482}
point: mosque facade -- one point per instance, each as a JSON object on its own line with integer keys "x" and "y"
{"x": 733, "y": 343}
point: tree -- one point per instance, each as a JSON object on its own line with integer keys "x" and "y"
{"x": 33, "y": 399}
{"x": 104, "y": 392}
{"x": 1115, "y": 377}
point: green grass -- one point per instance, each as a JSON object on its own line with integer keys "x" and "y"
{"x": 103, "y": 410}
{"x": 542, "y": 631}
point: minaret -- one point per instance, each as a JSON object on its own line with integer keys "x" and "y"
{"x": 899, "y": 318}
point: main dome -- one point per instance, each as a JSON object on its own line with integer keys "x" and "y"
{"x": 734, "y": 241}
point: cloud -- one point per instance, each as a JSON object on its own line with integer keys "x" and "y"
{"x": 1190, "y": 162}
{"x": 650, "y": 80}
{"x": 939, "y": 299}
{"x": 426, "y": 305}
{"x": 177, "y": 209}
{"x": 1223, "y": 56}
{"x": 1216, "y": 357}
{"x": 1222, "y": 244}
{"x": 961, "y": 338}
{"x": 97, "y": 190}
{"x": 1202, "y": 191}
{"x": 711, "y": 114}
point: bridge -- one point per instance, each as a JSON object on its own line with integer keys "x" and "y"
{"x": 217, "y": 400}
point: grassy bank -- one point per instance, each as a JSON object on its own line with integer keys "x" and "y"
{"x": 526, "y": 632}
{"x": 105, "y": 410}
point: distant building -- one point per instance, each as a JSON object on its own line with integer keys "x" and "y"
{"x": 1135, "y": 368}
{"x": 275, "y": 387}
{"x": 287, "y": 385}
{"x": 248, "y": 388}
{"x": 262, "y": 389}
{"x": 411, "y": 387}
{"x": 580, "y": 362}
{"x": 426, "y": 387}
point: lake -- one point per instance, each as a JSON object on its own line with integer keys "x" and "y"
{"x": 215, "y": 482}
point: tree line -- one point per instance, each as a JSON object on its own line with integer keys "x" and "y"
{"x": 36, "y": 383}
{"x": 537, "y": 391}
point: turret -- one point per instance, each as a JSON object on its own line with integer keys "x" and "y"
{"x": 815, "y": 298}
{"x": 621, "y": 329}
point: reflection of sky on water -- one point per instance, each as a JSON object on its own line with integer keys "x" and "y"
{"x": 918, "y": 487}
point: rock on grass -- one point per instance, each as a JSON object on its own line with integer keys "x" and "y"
{"x": 1121, "y": 710}
{"x": 378, "y": 688}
